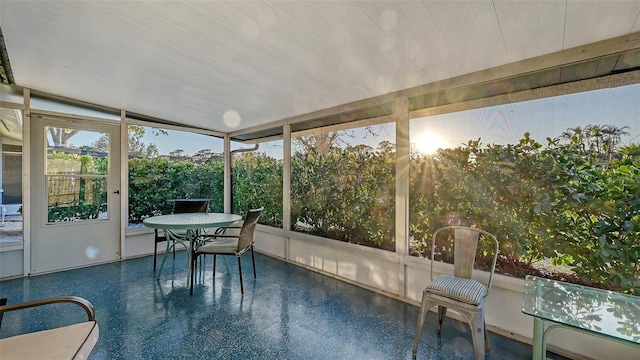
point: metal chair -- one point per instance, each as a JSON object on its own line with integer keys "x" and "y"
{"x": 179, "y": 207}
{"x": 222, "y": 243}
{"x": 458, "y": 291}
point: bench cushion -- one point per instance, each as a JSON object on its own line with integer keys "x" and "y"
{"x": 69, "y": 342}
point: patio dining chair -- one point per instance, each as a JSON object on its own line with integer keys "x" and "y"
{"x": 179, "y": 207}
{"x": 73, "y": 341}
{"x": 459, "y": 292}
{"x": 223, "y": 243}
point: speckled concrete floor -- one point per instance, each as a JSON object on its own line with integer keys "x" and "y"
{"x": 287, "y": 313}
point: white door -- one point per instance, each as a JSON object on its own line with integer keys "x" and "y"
{"x": 75, "y": 193}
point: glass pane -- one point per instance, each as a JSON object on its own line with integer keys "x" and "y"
{"x": 343, "y": 185}
{"x": 170, "y": 164}
{"x": 555, "y": 179}
{"x": 77, "y": 167}
{"x": 12, "y": 178}
{"x": 75, "y": 198}
{"x": 257, "y": 182}
{"x": 87, "y": 154}
{"x": 11, "y": 188}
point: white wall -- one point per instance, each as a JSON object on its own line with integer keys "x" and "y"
{"x": 11, "y": 260}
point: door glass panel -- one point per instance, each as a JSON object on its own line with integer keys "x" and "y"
{"x": 76, "y": 174}
{"x": 11, "y": 169}
{"x": 12, "y": 176}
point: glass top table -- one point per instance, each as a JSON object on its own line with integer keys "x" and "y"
{"x": 603, "y": 313}
{"x": 190, "y": 223}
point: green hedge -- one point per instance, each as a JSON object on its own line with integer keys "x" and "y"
{"x": 154, "y": 181}
{"x": 555, "y": 201}
{"x": 257, "y": 181}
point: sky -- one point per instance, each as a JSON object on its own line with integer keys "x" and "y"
{"x": 542, "y": 118}
{"x": 501, "y": 124}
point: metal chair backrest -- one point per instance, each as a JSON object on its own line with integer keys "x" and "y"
{"x": 245, "y": 238}
{"x": 190, "y": 206}
{"x": 465, "y": 245}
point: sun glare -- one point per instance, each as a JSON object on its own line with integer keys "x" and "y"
{"x": 427, "y": 143}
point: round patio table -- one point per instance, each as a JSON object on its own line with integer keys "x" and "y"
{"x": 189, "y": 222}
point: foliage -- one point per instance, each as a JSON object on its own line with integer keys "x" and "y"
{"x": 347, "y": 194}
{"x": 154, "y": 181}
{"x": 600, "y": 218}
{"x": 137, "y": 148}
{"x": 572, "y": 201}
{"x": 71, "y": 194}
{"x": 257, "y": 181}
{"x": 319, "y": 144}
{"x": 60, "y": 136}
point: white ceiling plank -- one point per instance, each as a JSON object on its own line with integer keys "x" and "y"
{"x": 576, "y": 27}
{"x": 356, "y": 48}
{"x": 553, "y": 24}
{"x": 530, "y": 13}
{"x": 441, "y": 16}
{"x": 487, "y": 24}
{"x": 510, "y": 26}
{"x": 601, "y": 19}
{"x": 430, "y": 48}
{"x": 398, "y": 40}
{"x": 610, "y": 18}
{"x": 190, "y": 62}
{"x": 464, "y": 37}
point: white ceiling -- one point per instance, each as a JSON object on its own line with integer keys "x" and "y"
{"x": 194, "y": 62}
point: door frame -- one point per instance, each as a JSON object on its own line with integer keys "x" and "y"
{"x": 117, "y": 184}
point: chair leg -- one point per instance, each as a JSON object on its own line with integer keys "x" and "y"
{"x": 194, "y": 262}
{"x": 240, "y": 271}
{"x": 253, "y": 261}
{"x": 476, "y": 322}
{"x": 442, "y": 313}
{"x": 424, "y": 309}
{"x": 155, "y": 248}
{"x": 155, "y": 254}
{"x": 3, "y": 301}
{"x": 487, "y": 345}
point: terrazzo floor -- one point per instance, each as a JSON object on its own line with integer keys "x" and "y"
{"x": 287, "y": 313}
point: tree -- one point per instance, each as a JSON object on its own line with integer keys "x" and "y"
{"x": 631, "y": 151}
{"x": 177, "y": 155}
{"x": 60, "y": 136}
{"x": 611, "y": 137}
{"x": 319, "y": 144}
{"x": 322, "y": 144}
{"x": 599, "y": 140}
{"x": 203, "y": 156}
{"x": 137, "y": 148}
{"x": 576, "y": 137}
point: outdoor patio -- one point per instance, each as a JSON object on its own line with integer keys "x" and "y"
{"x": 11, "y": 231}
{"x": 287, "y": 313}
